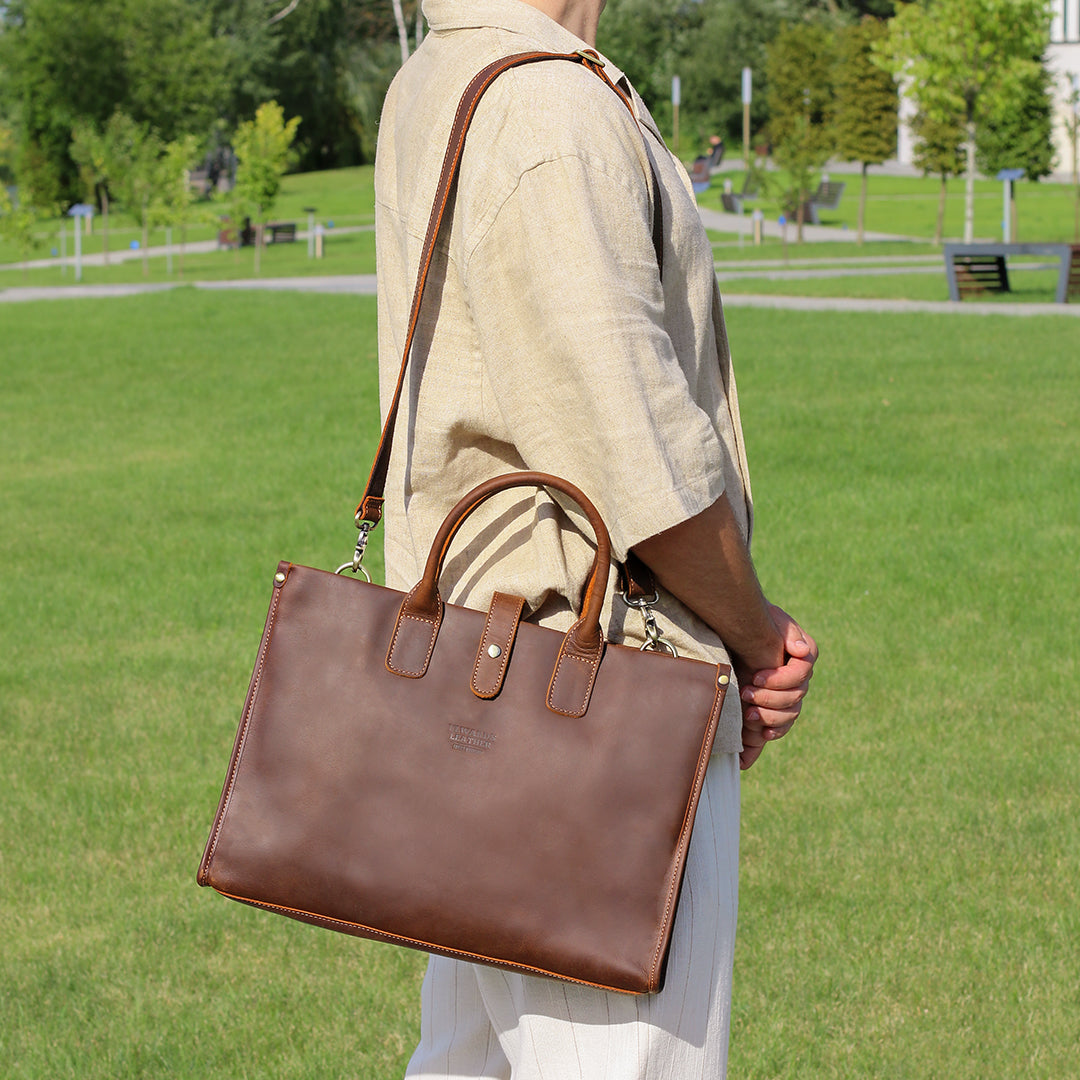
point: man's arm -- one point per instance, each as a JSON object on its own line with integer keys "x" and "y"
{"x": 705, "y": 563}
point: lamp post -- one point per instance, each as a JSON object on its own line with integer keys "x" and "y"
{"x": 310, "y": 211}
{"x": 79, "y": 210}
{"x": 1008, "y": 219}
{"x": 676, "y": 101}
{"x": 747, "y": 87}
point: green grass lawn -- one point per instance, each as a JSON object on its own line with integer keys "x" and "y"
{"x": 341, "y": 198}
{"x": 911, "y": 859}
{"x": 908, "y": 206}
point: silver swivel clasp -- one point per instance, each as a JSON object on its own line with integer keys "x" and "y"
{"x": 654, "y": 636}
{"x": 354, "y": 565}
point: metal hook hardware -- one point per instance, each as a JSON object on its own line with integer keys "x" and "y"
{"x": 354, "y": 566}
{"x": 654, "y": 636}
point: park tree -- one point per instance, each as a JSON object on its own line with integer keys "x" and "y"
{"x": 939, "y": 151}
{"x": 865, "y": 108}
{"x": 799, "y": 96}
{"x": 90, "y": 152}
{"x": 964, "y": 61}
{"x": 1018, "y": 134}
{"x": 263, "y": 149}
{"x": 18, "y": 224}
{"x": 172, "y": 203}
{"x": 134, "y": 151}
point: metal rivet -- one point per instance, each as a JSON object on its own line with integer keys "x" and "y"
{"x": 494, "y": 652}
{"x": 279, "y": 577}
{"x": 723, "y": 680}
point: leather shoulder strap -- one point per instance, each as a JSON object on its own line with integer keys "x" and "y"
{"x": 370, "y": 508}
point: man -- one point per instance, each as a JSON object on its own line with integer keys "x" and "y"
{"x": 551, "y": 340}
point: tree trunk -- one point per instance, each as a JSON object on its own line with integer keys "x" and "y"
{"x": 403, "y": 33}
{"x": 939, "y": 231}
{"x": 105, "y": 223}
{"x": 969, "y": 185}
{"x": 258, "y": 246}
{"x": 419, "y": 24}
{"x": 862, "y": 205}
{"x": 145, "y": 242}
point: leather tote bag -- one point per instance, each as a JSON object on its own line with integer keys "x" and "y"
{"x": 462, "y": 781}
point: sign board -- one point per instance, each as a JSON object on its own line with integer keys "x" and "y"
{"x": 747, "y": 80}
{"x": 676, "y": 90}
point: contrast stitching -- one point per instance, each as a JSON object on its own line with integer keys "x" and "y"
{"x": 234, "y": 765}
{"x": 594, "y": 664}
{"x": 427, "y": 945}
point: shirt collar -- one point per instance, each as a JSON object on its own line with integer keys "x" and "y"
{"x": 542, "y": 31}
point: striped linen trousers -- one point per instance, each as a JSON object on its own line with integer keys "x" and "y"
{"x": 482, "y": 1023}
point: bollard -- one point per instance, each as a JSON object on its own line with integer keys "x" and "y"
{"x": 758, "y": 218}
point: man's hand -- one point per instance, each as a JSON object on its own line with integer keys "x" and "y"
{"x": 772, "y": 697}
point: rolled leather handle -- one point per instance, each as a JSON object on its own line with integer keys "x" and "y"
{"x": 424, "y": 600}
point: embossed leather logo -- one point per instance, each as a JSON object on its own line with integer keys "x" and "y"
{"x": 470, "y": 740}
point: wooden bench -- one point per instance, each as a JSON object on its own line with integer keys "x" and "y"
{"x": 975, "y": 268}
{"x": 827, "y": 197}
{"x": 280, "y": 232}
{"x": 976, "y": 274}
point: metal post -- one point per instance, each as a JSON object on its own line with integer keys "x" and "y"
{"x": 676, "y": 101}
{"x": 310, "y": 211}
{"x": 747, "y": 80}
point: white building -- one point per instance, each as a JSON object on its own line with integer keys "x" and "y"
{"x": 1063, "y": 59}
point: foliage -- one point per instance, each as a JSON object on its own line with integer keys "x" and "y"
{"x": 18, "y": 224}
{"x": 1018, "y": 134}
{"x": 263, "y": 150}
{"x": 965, "y": 60}
{"x": 938, "y": 150}
{"x": 134, "y": 152}
{"x": 65, "y": 61}
{"x": 173, "y": 195}
{"x": 866, "y": 105}
{"x": 800, "y": 69}
{"x": 865, "y": 109}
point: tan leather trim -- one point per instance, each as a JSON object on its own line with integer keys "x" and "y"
{"x": 414, "y": 639}
{"x": 361, "y": 930}
{"x": 572, "y": 680}
{"x": 500, "y": 629}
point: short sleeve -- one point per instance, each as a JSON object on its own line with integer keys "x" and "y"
{"x": 565, "y": 294}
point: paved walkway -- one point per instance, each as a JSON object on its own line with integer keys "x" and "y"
{"x": 769, "y": 269}
{"x": 364, "y": 285}
{"x": 128, "y": 254}
{"x": 719, "y": 221}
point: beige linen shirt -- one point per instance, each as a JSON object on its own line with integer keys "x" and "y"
{"x": 547, "y": 339}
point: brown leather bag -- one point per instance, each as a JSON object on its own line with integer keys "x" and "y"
{"x": 462, "y": 781}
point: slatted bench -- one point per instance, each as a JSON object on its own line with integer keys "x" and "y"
{"x": 977, "y": 274}
{"x": 827, "y": 197}
{"x": 280, "y": 232}
{"x": 974, "y": 268}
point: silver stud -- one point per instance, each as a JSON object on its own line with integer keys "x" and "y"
{"x": 494, "y": 652}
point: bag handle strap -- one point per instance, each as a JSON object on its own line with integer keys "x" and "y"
{"x": 369, "y": 512}
{"x": 578, "y": 659}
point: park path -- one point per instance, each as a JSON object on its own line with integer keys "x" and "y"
{"x": 365, "y": 285}
{"x": 719, "y": 221}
